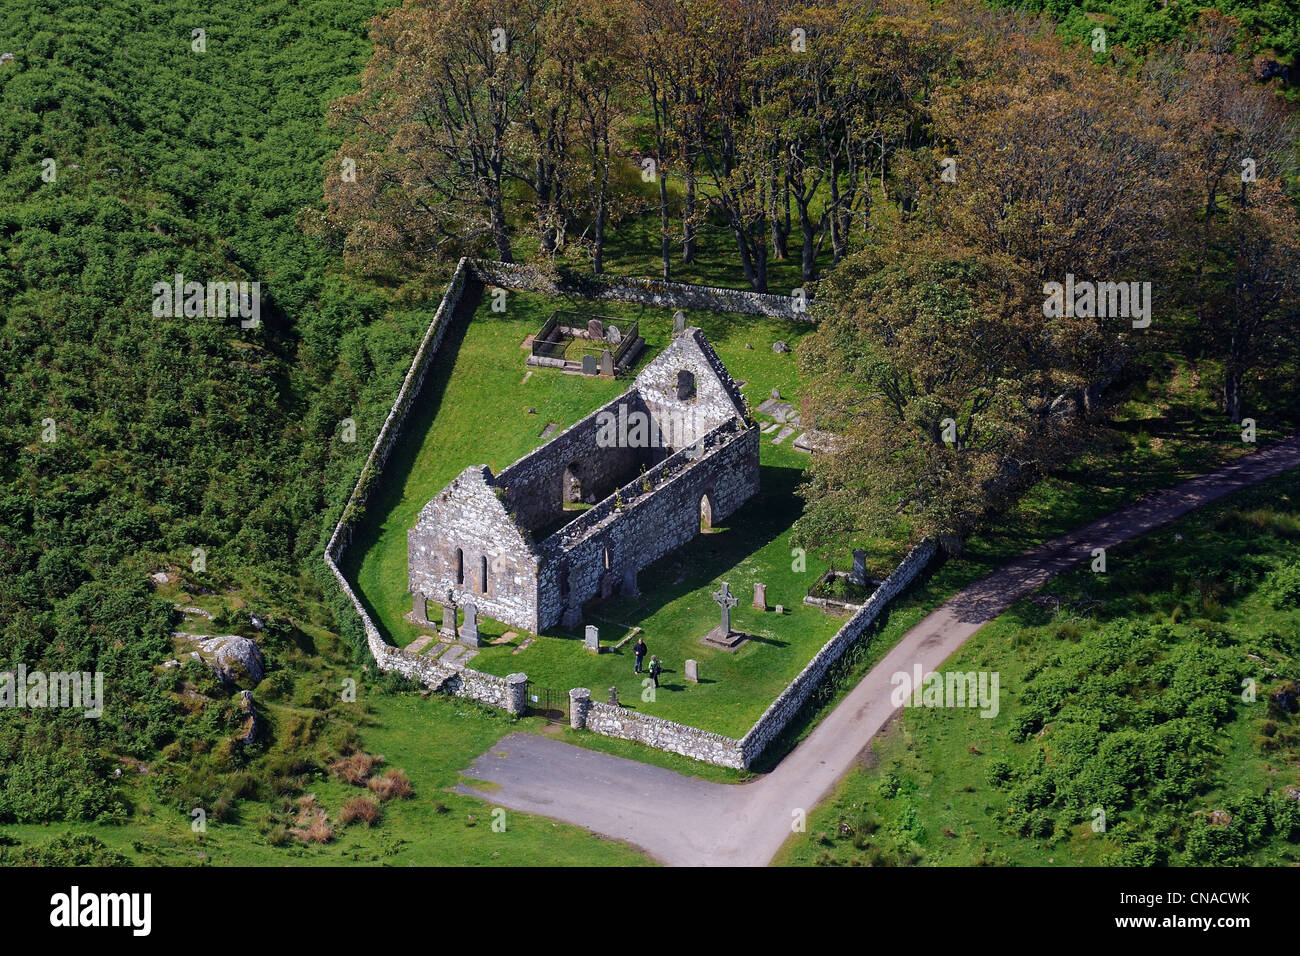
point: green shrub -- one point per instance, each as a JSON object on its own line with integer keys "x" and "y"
{"x": 1282, "y": 586}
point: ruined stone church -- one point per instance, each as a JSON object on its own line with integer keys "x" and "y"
{"x": 581, "y": 516}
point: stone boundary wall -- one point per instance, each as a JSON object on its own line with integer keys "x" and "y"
{"x": 609, "y": 720}
{"x": 655, "y": 292}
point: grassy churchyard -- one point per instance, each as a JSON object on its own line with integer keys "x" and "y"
{"x": 476, "y": 411}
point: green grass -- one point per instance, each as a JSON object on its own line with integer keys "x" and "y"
{"x": 929, "y": 798}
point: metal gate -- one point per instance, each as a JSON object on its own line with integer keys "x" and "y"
{"x": 548, "y": 703}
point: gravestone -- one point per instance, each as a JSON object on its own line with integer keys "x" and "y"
{"x": 693, "y": 671}
{"x": 679, "y": 323}
{"x": 589, "y": 365}
{"x": 613, "y": 336}
{"x": 726, "y": 600}
{"x": 629, "y": 584}
{"x": 592, "y": 642}
{"x": 723, "y": 636}
{"x": 760, "y": 596}
{"x": 448, "y": 617}
{"x": 607, "y": 363}
{"x": 421, "y": 608}
{"x": 572, "y": 616}
{"x": 469, "y": 630}
{"x": 595, "y": 329}
{"x": 858, "y": 575}
{"x": 613, "y": 696}
{"x": 780, "y": 609}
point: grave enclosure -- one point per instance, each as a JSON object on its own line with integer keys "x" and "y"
{"x": 509, "y": 693}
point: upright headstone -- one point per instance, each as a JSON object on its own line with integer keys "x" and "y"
{"x": 858, "y": 575}
{"x": 629, "y": 583}
{"x": 589, "y": 366}
{"x": 776, "y": 394}
{"x": 595, "y": 329}
{"x": 469, "y": 630}
{"x": 448, "y": 617}
{"x": 421, "y": 608}
{"x": 607, "y": 363}
{"x": 613, "y": 336}
{"x": 679, "y": 323}
{"x": 592, "y": 642}
{"x": 693, "y": 671}
{"x": 613, "y": 696}
{"x": 760, "y": 596}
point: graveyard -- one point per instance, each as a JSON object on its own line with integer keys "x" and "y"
{"x": 486, "y": 404}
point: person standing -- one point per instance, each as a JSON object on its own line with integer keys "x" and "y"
{"x": 639, "y": 650}
{"x": 655, "y": 670}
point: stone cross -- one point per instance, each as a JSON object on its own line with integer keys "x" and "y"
{"x": 679, "y": 323}
{"x": 592, "y": 642}
{"x": 760, "y": 596}
{"x": 469, "y": 630}
{"x": 858, "y": 575}
{"x": 726, "y": 600}
{"x": 613, "y": 696}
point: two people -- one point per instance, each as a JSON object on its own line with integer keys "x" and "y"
{"x": 639, "y": 651}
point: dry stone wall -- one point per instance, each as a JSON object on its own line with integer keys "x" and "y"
{"x": 609, "y": 720}
{"x": 788, "y": 703}
{"x": 652, "y": 292}
{"x": 507, "y": 693}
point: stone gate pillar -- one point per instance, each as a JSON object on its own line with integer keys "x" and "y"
{"x": 579, "y": 705}
{"x": 516, "y": 693}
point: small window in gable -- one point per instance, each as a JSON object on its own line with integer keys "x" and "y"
{"x": 685, "y": 384}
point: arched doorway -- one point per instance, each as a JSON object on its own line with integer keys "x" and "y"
{"x": 572, "y": 484}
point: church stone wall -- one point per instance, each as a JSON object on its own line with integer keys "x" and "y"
{"x": 607, "y": 544}
{"x": 536, "y": 484}
{"x": 467, "y": 515}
